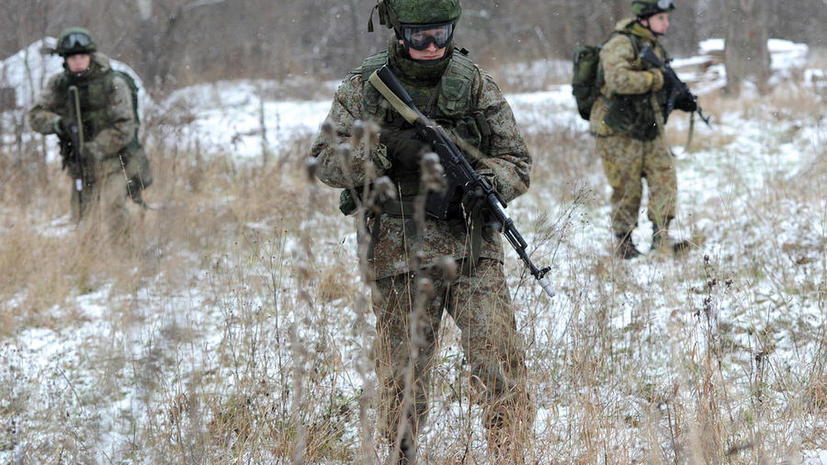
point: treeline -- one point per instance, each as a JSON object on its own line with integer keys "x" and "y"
{"x": 178, "y": 42}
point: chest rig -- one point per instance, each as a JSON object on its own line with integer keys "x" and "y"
{"x": 635, "y": 114}
{"x": 94, "y": 94}
{"x": 450, "y": 102}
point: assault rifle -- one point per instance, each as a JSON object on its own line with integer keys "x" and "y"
{"x": 677, "y": 88}
{"x": 457, "y": 171}
{"x": 76, "y": 137}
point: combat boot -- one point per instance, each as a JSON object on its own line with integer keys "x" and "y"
{"x": 625, "y": 249}
{"x": 681, "y": 247}
{"x": 660, "y": 242}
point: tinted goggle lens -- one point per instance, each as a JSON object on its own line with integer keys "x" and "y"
{"x": 75, "y": 40}
{"x": 418, "y": 37}
{"x": 665, "y": 4}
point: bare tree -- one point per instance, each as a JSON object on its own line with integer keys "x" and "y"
{"x": 746, "y": 53}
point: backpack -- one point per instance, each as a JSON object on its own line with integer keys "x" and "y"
{"x": 138, "y": 172}
{"x": 133, "y": 91}
{"x": 584, "y": 78}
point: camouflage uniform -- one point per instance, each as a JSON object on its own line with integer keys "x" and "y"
{"x": 628, "y": 121}
{"x": 467, "y": 102}
{"x": 109, "y": 126}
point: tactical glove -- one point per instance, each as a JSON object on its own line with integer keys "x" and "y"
{"x": 60, "y": 127}
{"x": 686, "y": 101}
{"x": 657, "y": 79}
{"x": 90, "y": 154}
{"x": 405, "y": 149}
{"x": 474, "y": 203}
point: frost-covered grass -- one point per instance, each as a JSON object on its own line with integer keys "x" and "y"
{"x": 233, "y": 325}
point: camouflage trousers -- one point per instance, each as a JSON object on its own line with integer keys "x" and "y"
{"x": 626, "y": 162}
{"x": 103, "y": 198}
{"x": 481, "y": 307}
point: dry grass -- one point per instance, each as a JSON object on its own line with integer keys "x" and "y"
{"x": 234, "y": 327}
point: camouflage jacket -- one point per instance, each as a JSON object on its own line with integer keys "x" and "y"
{"x": 506, "y": 164}
{"x": 633, "y": 100}
{"x": 109, "y": 117}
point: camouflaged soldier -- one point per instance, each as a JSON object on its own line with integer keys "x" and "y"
{"x": 628, "y": 122}
{"x": 108, "y": 152}
{"x": 450, "y": 89}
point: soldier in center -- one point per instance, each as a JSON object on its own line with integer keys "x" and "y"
{"x": 453, "y": 91}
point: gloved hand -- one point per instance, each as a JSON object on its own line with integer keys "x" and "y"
{"x": 474, "y": 203}
{"x": 90, "y": 153}
{"x": 686, "y": 101}
{"x": 657, "y": 79}
{"x": 61, "y": 127}
{"x": 405, "y": 149}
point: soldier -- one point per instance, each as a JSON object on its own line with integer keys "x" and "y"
{"x": 449, "y": 88}
{"x": 102, "y": 153}
{"x": 628, "y": 121}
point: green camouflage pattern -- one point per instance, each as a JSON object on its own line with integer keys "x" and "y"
{"x": 626, "y": 161}
{"x": 424, "y": 11}
{"x": 506, "y": 164}
{"x": 111, "y": 127}
{"x": 635, "y": 98}
{"x": 494, "y": 351}
{"x": 478, "y": 298}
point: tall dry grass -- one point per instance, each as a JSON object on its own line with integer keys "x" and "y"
{"x": 234, "y": 325}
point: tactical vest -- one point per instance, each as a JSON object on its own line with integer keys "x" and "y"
{"x": 634, "y": 114}
{"x": 450, "y": 104}
{"x": 94, "y": 97}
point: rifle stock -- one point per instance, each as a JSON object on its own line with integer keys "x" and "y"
{"x": 458, "y": 172}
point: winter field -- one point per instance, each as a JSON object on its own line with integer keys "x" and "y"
{"x": 235, "y": 327}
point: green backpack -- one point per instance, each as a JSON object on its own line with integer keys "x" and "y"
{"x": 138, "y": 172}
{"x": 586, "y": 79}
{"x": 133, "y": 91}
{"x": 584, "y": 84}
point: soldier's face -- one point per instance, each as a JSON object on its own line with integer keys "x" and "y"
{"x": 78, "y": 63}
{"x": 431, "y": 52}
{"x": 658, "y": 23}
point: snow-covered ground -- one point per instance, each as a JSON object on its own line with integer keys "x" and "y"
{"x": 227, "y": 119}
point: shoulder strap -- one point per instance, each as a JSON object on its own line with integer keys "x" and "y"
{"x": 371, "y": 64}
{"x": 133, "y": 90}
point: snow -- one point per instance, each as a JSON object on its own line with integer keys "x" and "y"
{"x": 227, "y": 120}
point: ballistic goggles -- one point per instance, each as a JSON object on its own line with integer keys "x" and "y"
{"x": 74, "y": 41}
{"x": 665, "y": 4}
{"x": 418, "y": 36}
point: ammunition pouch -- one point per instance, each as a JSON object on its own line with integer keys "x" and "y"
{"x": 633, "y": 116}
{"x": 136, "y": 169}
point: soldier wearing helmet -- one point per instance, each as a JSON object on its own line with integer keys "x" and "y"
{"x": 628, "y": 122}
{"x": 107, "y": 166}
{"x": 450, "y": 89}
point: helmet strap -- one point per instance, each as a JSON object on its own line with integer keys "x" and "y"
{"x": 648, "y": 27}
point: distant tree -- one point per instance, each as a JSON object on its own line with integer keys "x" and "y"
{"x": 746, "y": 53}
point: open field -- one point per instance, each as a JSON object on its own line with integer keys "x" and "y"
{"x": 233, "y": 325}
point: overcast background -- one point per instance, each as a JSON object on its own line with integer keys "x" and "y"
{"x": 173, "y": 43}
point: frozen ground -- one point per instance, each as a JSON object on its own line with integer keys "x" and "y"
{"x": 47, "y": 368}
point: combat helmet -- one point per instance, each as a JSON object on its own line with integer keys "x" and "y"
{"x": 73, "y": 41}
{"x": 419, "y": 22}
{"x": 647, "y": 8}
